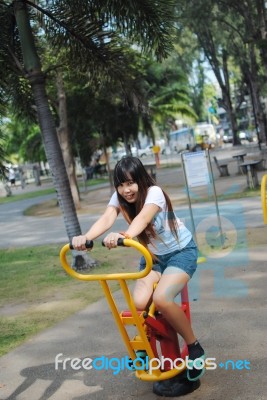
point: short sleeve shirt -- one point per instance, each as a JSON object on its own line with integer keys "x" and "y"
{"x": 164, "y": 242}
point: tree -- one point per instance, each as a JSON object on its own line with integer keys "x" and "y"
{"x": 82, "y": 26}
{"x": 247, "y": 28}
{"x": 199, "y": 17}
{"x": 64, "y": 139}
{"x": 169, "y": 92}
{"x": 146, "y": 91}
{"x": 2, "y": 157}
{"x": 190, "y": 59}
{"x": 227, "y": 32}
{"x": 252, "y": 23}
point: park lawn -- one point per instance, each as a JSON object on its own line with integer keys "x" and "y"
{"x": 42, "y": 192}
{"x": 36, "y": 292}
{"x": 27, "y": 195}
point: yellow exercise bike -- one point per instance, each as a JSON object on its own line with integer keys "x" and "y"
{"x": 165, "y": 359}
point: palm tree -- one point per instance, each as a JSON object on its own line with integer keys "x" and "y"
{"x": 88, "y": 29}
{"x": 166, "y": 92}
{"x": 2, "y": 157}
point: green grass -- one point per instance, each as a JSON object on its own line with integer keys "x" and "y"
{"x": 92, "y": 182}
{"x": 24, "y": 196}
{"x": 42, "y": 192}
{"x": 229, "y": 196}
{"x": 36, "y": 292}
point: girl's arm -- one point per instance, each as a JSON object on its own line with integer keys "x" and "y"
{"x": 140, "y": 222}
{"x": 138, "y": 225}
{"x": 103, "y": 224}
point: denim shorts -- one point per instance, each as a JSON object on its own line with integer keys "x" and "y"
{"x": 184, "y": 259}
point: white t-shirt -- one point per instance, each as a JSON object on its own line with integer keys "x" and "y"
{"x": 11, "y": 174}
{"x": 164, "y": 242}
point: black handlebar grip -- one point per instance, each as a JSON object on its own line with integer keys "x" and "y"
{"x": 119, "y": 242}
{"x": 89, "y": 244}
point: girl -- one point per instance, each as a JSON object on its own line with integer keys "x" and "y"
{"x": 149, "y": 213}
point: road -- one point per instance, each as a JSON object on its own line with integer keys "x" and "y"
{"x": 20, "y": 231}
{"x": 228, "y": 308}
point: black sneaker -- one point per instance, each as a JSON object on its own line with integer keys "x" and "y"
{"x": 176, "y": 386}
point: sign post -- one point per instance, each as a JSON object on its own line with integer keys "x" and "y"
{"x": 198, "y": 172}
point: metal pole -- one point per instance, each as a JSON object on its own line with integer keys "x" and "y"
{"x": 189, "y": 202}
{"x": 215, "y": 198}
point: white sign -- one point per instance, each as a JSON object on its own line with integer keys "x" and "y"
{"x": 196, "y": 168}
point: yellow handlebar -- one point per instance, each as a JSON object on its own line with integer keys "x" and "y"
{"x": 115, "y": 276}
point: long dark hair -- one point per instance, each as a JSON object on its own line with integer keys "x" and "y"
{"x": 131, "y": 168}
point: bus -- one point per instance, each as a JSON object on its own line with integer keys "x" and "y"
{"x": 182, "y": 139}
{"x": 200, "y": 136}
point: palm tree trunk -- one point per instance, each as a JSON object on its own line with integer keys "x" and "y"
{"x": 48, "y": 129}
{"x": 64, "y": 140}
{"x": 53, "y": 152}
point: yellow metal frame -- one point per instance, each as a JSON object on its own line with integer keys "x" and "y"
{"x": 109, "y": 277}
{"x": 264, "y": 197}
{"x": 140, "y": 341}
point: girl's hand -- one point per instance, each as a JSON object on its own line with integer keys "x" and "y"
{"x": 78, "y": 242}
{"x": 111, "y": 240}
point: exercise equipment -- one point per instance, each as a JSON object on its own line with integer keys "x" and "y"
{"x": 164, "y": 355}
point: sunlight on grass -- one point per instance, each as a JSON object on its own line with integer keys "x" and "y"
{"x": 36, "y": 292}
{"x": 229, "y": 196}
{"x": 25, "y": 196}
{"x": 42, "y": 192}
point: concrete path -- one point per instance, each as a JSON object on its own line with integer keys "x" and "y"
{"x": 231, "y": 326}
{"x": 228, "y": 305}
{"x": 22, "y": 230}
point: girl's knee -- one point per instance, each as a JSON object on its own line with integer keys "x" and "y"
{"x": 140, "y": 304}
{"x": 141, "y": 295}
{"x": 160, "y": 301}
{"x": 143, "y": 290}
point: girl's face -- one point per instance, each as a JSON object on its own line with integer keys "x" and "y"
{"x": 129, "y": 191}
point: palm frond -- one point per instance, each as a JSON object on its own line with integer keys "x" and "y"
{"x": 147, "y": 23}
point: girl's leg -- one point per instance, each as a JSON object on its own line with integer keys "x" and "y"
{"x": 142, "y": 296}
{"x": 169, "y": 286}
{"x": 143, "y": 290}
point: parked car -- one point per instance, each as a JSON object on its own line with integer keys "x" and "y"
{"x": 121, "y": 152}
{"x": 245, "y": 137}
{"x": 147, "y": 151}
{"x": 228, "y": 137}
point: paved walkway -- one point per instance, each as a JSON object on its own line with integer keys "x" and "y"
{"x": 231, "y": 325}
{"x": 23, "y": 231}
{"x": 228, "y": 305}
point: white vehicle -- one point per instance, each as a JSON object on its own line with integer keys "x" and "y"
{"x": 245, "y": 137}
{"x": 148, "y": 151}
{"x": 206, "y": 132}
{"x": 182, "y": 139}
{"x": 121, "y": 152}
